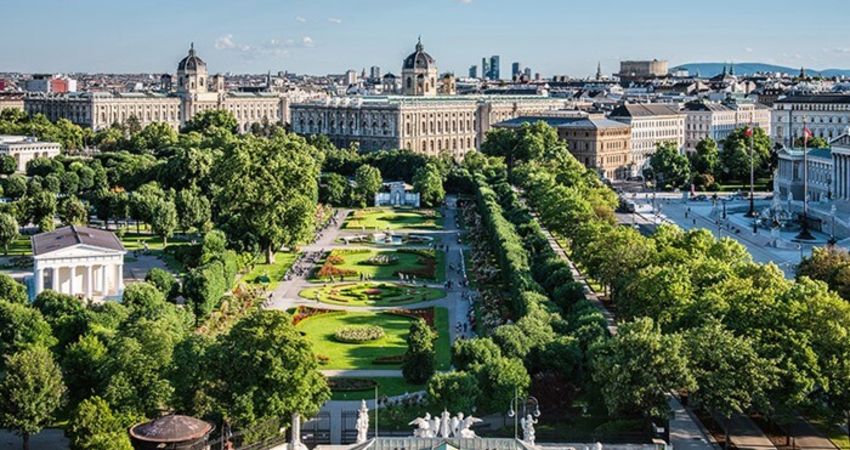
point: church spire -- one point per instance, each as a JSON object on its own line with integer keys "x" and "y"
{"x": 599, "y": 70}
{"x": 419, "y": 46}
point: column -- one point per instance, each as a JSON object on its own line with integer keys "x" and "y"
{"x": 72, "y": 281}
{"x": 89, "y": 281}
{"x": 54, "y": 278}
{"x": 119, "y": 277}
{"x": 102, "y": 272}
{"x": 39, "y": 279}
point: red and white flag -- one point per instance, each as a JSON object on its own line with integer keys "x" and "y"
{"x": 807, "y": 134}
{"x": 748, "y": 132}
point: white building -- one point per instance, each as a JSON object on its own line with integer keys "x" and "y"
{"x": 652, "y": 124}
{"x": 79, "y": 261}
{"x": 826, "y": 115}
{"x": 718, "y": 120}
{"x": 397, "y": 193}
{"x": 25, "y": 149}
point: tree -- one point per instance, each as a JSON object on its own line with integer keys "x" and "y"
{"x": 193, "y": 210}
{"x": 144, "y": 201}
{"x": 735, "y": 157}
{"x": 429, "y": 183}
{"x": 64, "y": 313}
{"x": 8, "y": 165}
{"x": 468, "y": 353}
{"x": 500, "y": 380}
{"x": 813, "y": 142}
{"x": 419, "y": 360}
{"x": 15, "y": 186}
{"x": 453, "y": 391}
{"x": 277, "y": 374}
{"x": 12, "y": 291}
{"x": 636, "y": 369}
{"x": 154, "y": 138}
{"x": 333, "y": 189}
{"x": 706, "y": 158}
{"x": 73, "y": 212}
{"x": 529, "y": 142}
{"x": 266, "y": 192}
{"x": 8, "y": 231}
{"x": 669, "y": 166}
{"x": 22, "y": 327}
{"x": 93, "y": 424}
{"x": 205, "y": 121}
{"x": 41, "y": 209}
{"x": 164, "y": 281}
{"x": 368, "y": 181}
{"x": 730, "y": 376}
{"x": 30, "y": 392}
{"x": 164, "y": 220}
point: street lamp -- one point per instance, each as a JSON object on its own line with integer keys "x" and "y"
{"x": 805, "y": 234}
{"x": 724, "y": 208}
{"x": 832, "y": 241}
{"x": 514, "y": 411}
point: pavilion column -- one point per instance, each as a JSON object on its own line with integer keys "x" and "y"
{"x": 39, "y": 280}
{"x": 54, "y": 278}
{"x": 119, "y": 277}
{"x": 102, "y": 272}
{"x": 89, "y": 281}
{"x": 72, "y": 281}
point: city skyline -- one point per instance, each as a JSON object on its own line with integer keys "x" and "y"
{"x": 332, "y": 36}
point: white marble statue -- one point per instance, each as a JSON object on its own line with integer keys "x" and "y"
{"x": 362, "y": 424}
{"x": 528, "y": 423}
{"x": 446, "y": 424}
{"x": 423, "y": 426}
{"x": 464, "y": 430}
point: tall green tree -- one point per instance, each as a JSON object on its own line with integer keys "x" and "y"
{"x": 206, "y": 121}
{"x": 31, "y": 391}
{"x": 368, "y": 181}
{"x": 429, "y": 183}
{"x": 8, "y": 231}
{"x": 419, "y": 360}
{"x": 193, "y": 209}
{"x": 706, "y": 158}
{"x": 266, "y": 192}
{"x": 636, "y": 369}
{"x": 72, "y": 211}
{"x": 164, "y": 220}
{"x": 453, "y": 391}
{"x": 94, "y": 426}
{"x": 735, "y": 157}
{"x": 669, "y": 166}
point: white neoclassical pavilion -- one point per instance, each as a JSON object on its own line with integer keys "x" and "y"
{"x": 79, "y": 261}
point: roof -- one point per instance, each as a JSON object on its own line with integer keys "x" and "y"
{"x": 419, "y": 59}
{"x": 74, "y": 235}
{"x": 821, "y": 153}
{"x": 171, "y": 428}
{"x": 705, "y": 106}
{"x": 819, "y": 98}
{"x": 644, "y": 110}
{"x": 564, "y": 122}
{"x": 192, "y": 61}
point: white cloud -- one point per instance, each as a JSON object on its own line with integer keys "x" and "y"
{"x": 334, "y": 20}
{"x": 307, "y": 41}
{"x": 300, "y": 19}
{"x": 465, "y": 2}
{"x": 225, "y": 42}
{"x": 841, "y": 49}
{"x": 748, "y": 50}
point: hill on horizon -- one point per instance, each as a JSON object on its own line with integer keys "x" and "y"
{"x": 711, "y": 69}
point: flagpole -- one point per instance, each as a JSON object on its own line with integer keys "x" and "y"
{"x": 804, "y": 234}
{"x": 752, "y": 211}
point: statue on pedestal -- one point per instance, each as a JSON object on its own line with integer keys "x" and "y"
{"x": 362, "y": 424}
{"x": 423, "y": 426}
{"x": 445, "y": 424}
{"x": 528, "y": 423}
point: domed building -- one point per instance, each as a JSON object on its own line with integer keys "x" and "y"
{"x": 172, "y": 432}
{"x": 191, "y": 73}
{"x": 419, "y": 73}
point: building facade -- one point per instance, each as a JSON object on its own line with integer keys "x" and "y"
{"x": 598, "y": 143}
{"x": 419, "y": 73}
{"x": 25, "y": 148}
{"x": 11, "y": 100}
{"x": 194, "y": 92}
{"x": 717, "y": 120}
{"x": 826, "y": 115}
{"x": 651, "y": 124}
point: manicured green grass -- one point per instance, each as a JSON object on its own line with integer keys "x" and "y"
{"x": 835, "y": 434}
{"x": 372, "y": 294}
{"x": 270, "y": 275}
{"x": 406, "y": 261}
{"x": 387, "y": 387}
{"x": 393, "y": 219}
{"x": 21, "y": 247}
{"x": 319, "y": 331}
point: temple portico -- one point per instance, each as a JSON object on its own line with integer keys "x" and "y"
{"x": 78, "y": 261}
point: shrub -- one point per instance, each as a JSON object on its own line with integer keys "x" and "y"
{"x": 335, "y": 259}
{"x": 389, "y": 360}
{"x": 359, "y": 334}
{"x": 351, "y": 384}
{"x": 164, "y": 281}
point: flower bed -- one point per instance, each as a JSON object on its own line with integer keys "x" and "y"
{"x": 303, "y": 312}
{"x": 389, "y": 360}
{"x": 351, "y": 384}
{"x": 426, "y": 314}
{"x": 381, "y": 260}
{"x": 323, "y": 359}
{"x": 428, "y": 269}
{"x": 335, "y": 259}
{"x": 359, "y": 334}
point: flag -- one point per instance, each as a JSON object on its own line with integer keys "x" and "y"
{"x": 748, "y": 132}
{"x": 807, "y": 134}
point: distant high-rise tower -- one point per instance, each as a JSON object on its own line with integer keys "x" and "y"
{"x": 485, "y": 68}
{"x": 473, "y": 71}
{"x": 375, "y": 73}
{"x": 599, "y": 70}
{"x": 494, "y": 67}
{"x": 515, "y": 69}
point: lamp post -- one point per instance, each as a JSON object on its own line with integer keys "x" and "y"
{"x": 832, "y": 241}
{"x": 723, "y": 201}
{"x": 514, "y": 412}
{"x": 752, "y": 211}
{"x": 805, "y": 234}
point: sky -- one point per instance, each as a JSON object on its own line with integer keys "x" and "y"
{"x": 552, "y": 37}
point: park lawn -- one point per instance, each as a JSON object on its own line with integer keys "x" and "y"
{"x": 835, "y": 434}
{"x": 270, "y": 275}
{"x": 355, "y": 294}
{"x": 319, "y": 331}
{"x": 393, "y": 219}
{"x": 406, "y": 261}
{"x": 20, "y": 247}
{"x": 387, "y": 387}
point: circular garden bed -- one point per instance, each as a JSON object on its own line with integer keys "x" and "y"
{"x": 359, "y": 334}
{"x": 372, "y": 294}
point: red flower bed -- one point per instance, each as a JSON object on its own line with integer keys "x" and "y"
{"x": 426, "y": 314}
{"x": 304, "y": 312}
{"x": 429, "y": 269}
{"x": 329, "y": 270}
